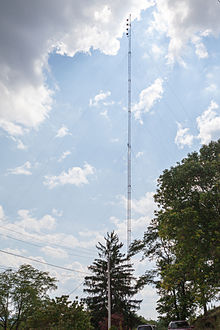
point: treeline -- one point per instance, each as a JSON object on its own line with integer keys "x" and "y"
{"x": 25, "y": 302}
{"x": 184, "y": 237}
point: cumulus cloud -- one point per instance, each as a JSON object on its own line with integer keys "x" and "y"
{"x": 139, "y": 154}
{"x": 54, "y": 252}
{"x": 209, "y": 123}
{"x": 211, "y": 88}
{"x": 62, "y": 131}
{"x": 156, "y": 51}
{"x": 29, "y": 36}
{"x": 2, "y": 214}
{"x": 104, "y": 114}
{"x": 186, "y": 21}
{"x": 11, "y": 128}
{"x": 99, "y": 98}
{"x": 28, "y": 222}
{"x": 57, "y": 213}
{"x": 201, "y": 50}
{"x": 144, "y": 206}
{"x": 64, "y": 155}
{"x": 147, "y": 98}
{"x": 23, "y": 169}
{"x": 33, "y": 229}
{"x": 76, "y": 176}
{"x": 138, "y": 226}
{"x": 183, "y": 138}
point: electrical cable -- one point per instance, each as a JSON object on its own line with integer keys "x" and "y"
{"x": 44, "y": 263}
{"x": 37, "y": 245}
{"x": 75, "y": 288}
{"x": 53, "y": 244}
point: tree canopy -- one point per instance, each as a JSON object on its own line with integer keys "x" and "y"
{"x": 184, "y": 236}
{"x": 25, "y": 303}
{"x": 21, "y": 292}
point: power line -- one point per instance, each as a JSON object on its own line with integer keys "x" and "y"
{"x": 37, "y": 245}
{"x": 53, "y": 244}
{"x": 75, "y": 288}
{"x": 42, "y": 262}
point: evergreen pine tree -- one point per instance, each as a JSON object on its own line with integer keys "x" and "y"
{"x": 121, "y": 283}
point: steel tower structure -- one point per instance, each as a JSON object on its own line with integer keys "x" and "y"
{"x": 128, "y": 33}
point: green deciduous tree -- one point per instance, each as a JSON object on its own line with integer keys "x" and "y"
{"x": 184, "y": 236}
{"x": 121, "y": 282}
{"x": 21, "y": 292}
{"x": 60, "y": 313}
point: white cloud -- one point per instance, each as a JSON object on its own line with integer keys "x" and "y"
{"x": 54, "y": 252}
{"x": 183, "y": 138}
{"x": 76, "y": 176}
{"x": 149, "y": 296}
{"x": 209, "y": 124}
{"x": 104, "y": 114}
{"x": 20, "y": 144}
{"x": 114, "y": 140}
{"x": 29, "y": 36}
{"x": 23, "y": 107}
{"x": 11, "y": 128}
{"x": 139, "y": 154}
{"x": 33, "y": 229}
{"x": 201, "y": 50}
{"x": 10, "y": 260}
{"x": 28, "y": 222}
{"x": 186, "y": 21}
{"x": 144, "y": 206}
{"x": 99, "y": 98}
{"x": 157, "y": 51}
{"x": 63, "y": 131}
{"x": 2, "y": 214}
{"x": 138, "y": 226}
{"x": 23, "y": 169}
{"x": 64, "y": 155}
{"x": 147, "y": 98}
{"x": 212, "y": 88}
{"x": 57, "y": 213}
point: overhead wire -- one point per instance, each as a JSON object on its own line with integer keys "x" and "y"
{"x": 71, "y": 292}
{"x": 44, "y": 263}
{"x": 51, "y": 244}
{"x": 37, "y": 245}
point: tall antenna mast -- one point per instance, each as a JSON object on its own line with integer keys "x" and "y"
{"x": 128, "y": 33}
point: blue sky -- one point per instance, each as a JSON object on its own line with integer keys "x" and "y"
{"x": 63, "y": 121}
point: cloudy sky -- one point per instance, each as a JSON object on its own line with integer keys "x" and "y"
{"x": 63, "y": 121}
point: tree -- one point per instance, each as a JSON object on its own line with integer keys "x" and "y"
{"x": 184, "y": 236}
{"x": 60, "y": 313}
{"x": 121, "y": 283}
{"x": 21, "y": 292}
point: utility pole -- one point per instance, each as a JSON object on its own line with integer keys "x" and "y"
{"x": 128, "y": 33}
{"x": 109, "y": 293}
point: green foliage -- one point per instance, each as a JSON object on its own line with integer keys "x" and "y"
{"x": 21, "y": 292}
{"x": 184, "y": 236}
{"x": 25, "y": 304}
{"x": 122, "y": 283}
{"x": 60, "y": 313}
